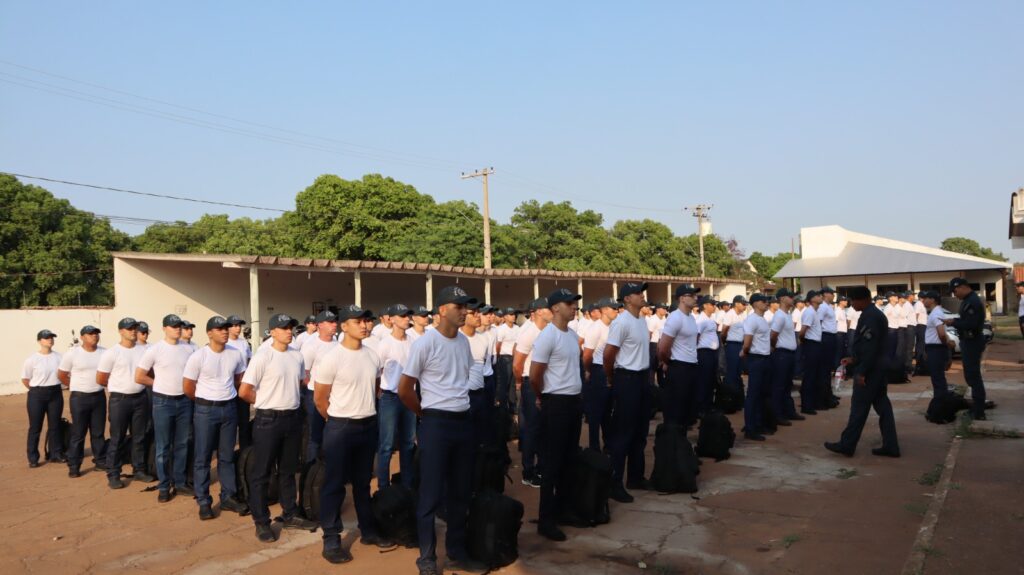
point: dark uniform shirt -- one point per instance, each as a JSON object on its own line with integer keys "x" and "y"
{"x": 869, "y": 345}
{"x": 972, "y": 317}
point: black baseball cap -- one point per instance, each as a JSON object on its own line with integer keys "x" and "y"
{"x": 498, "y": 312}
{"x": 539, "y": 303}
{"x": 283, "y": 320}
{"x": 310, "y": 319}
{"x": 687, "y": 289}
{"x": 740, "y": 299}
{"x": 127, "y": 323}
{"x": 1019, "y": 284}
{"x": 706, "y": 299}
{"x": 783, "y": 292}
{"x": 399, "y": 310}
{"x": 326, "y": 315}
{"x": 354, "y": 312}
{"x": 216, "y": 322}
{"x": 758, "y": 297}
{"x": 188, "y": 325}
{"x": 630, "y": 288}
{"x": 89, "y": 329}
{"x": 957, "y": 282}
{"x": 562, "y": 295}
{"x": 511, "y": 311}
{"x": 421, "y": 311}
{"x": 843, "y": 298}
{"x": 811, "y": 294}
{"x": 725, "y": 303}
{"x": 608, "y": 302}
{"x": 235, "y": 320}
{"x": 827, "y": 289}
{"x": 45, "y": 334}
{"x": 453, "y": 294}
{"x": 488, "y": 309}
{"x": 889, "y": 294}
{"x": 143, "y": 327}
{"x": 929, "y": 294}
{"x": 172, "y": 320}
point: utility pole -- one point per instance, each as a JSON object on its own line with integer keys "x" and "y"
{"x": 487, "y": 215}
{"x": 700, "y": 211}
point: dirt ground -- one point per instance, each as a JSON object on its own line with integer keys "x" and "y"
{"x": 782, "y": 506}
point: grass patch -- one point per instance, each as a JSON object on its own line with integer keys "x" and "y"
{"x": 963, "y": 425}
{"x": 931, "y": 477}
{"x": 1005, "y": 327}
{"x": 789, "y": 540}
{"x": 845, "y": 473}
{"x": 918, "y": 509}
{"x": 930, "y": 551}
{"x": 955, "y": 486}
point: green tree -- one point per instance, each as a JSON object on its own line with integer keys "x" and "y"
{"x": 767, "y": 266}
{"x": 971, "y": 248}
{"x": 50, "y": 252}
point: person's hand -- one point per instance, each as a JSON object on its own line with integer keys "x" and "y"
{"x": 846, "y": 361}
{"x": 743, "y": 354}
{"x": 948, "y": 321}
{"x": 586, "y": 376}
{"x": 538, "y": 403}
{"x": 858, "y": 380}
{"x": 952, "y": 346}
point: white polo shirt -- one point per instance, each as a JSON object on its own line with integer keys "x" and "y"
{"x": 809, "y": 318}
{"x": 734, "y": 322}
{"x": 630, "y": 335}
{"x": 352, "y": 375}
{"x": 827, "y": 317}
{"x": 312, "y": 350}
{"x": 707, "y": 332}
{"x": 277, "y": 378}
{"x": 41, "y": 370}
{"x": 168, "y": 364}
{"x": 393, "y": 354}
{"x": 782, "y": 324}
{"x": 528, "y": 332}
{"x": 479, "y": 345}
{"x": 82, "y": 366}
{"x": 595, "y": 339}
{"x": 756, "y": 327}
{"x": 507, "y": 338}
{"x": 214, "y": 373}
{"x": 120, "y": 362}
{"x": 683, "y": 328}
{"x": 560, "y": 350}
{"x": 243, "y": 347}
{"x": 798, "y": 318}
{"x": 931, "y": 330}
{"x": 442, "y": 365}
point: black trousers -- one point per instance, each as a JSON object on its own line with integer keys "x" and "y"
{"x": 971, "y": 350}
{"x": 505, "y": 389}
{"x": 244, "y": 423}
{"x": 679, "y": 393}
{"x": 276, "y": 438}
{"x": 829, "y": 343}
{"x": 919, "y": 345}
{"x": 810, "y": 387}
{"x": 88, "y": 413}
{"x": 937, "y": 357}
{"x": 561, "y": 420}
{"x": 631, "y": 412}
{"x": 707, "y": 376}
{"x": 872, "y": 394}
{"x": 45, "y": 401}
{"x": 349, "y": 447}
{"x": 127, "y": 411}
{"x": 657, "y": 375}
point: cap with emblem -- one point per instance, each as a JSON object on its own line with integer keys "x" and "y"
{"x": 127, "y": 323}
{"x": 511, "y": 311}
{"x": 811, "y": 294}
{"x": 283, "y": 320}
{"x": 326, "y": 315}
{"x": 354, "y": 312}
{"x": 539, "y": 303}
{"x": 608, "y": 302}
{"x": 45, "y": 334}
{"x": 740, "y": 299}
{"x": 843, "y": 298}
{"x": 172, "y": 320}
{"x": 686, "y": 289}
{"x": 758, "y": 297}
{"x": 498, "y": 312}
{"x": 562, "y": 295}
{"x": 890, "y": 294}
{"x": 310, "y": 319}
{"x": 783, "y": 292}
{"x": 453, "y": 294}
{"x": 235, "y": 320}
{"x": 421, "y": 311}
{"x": 827, "y": 289}
{"x": 488, "y": 309}
{"x": 188, "y": 325}
{"x": 89, "y": 329}
{"x": 399, "y": 310}
{"x": 957, "y": 282}
{"x": 929, "y": 294}
{"x": 705, "y": 300}
{"x": 143, "y": 327}
{"x": 630, "y": 288}
{"x": 216, "y": 322}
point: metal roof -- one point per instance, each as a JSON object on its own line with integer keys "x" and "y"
{"x": 862, "y": 259}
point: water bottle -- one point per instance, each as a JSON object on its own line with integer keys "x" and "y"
{"x": 837, "y": 379}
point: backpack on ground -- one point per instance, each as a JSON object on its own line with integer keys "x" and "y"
{"x": 715, "y": 437}
{"x": 728, "y": 399}
{"x": 492, "y": 463}
{"x": 63, "y": 432}
{"x": 310, "y": 483}
{"x": 655, "y": 400}
{"x": 943, "y": 408}
{"x": 493, "y": 529}
{"x": 675, "y": 465}
{"x": 394, "y": 510}
{"x": 591, "y": 473}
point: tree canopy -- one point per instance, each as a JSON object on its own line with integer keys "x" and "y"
{"x": 971, "y": 248}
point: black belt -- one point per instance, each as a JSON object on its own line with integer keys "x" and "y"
{"x": 353, "y": 420}
{"x": 935, "y": 345}
{"x": 560, "y": 396}
{"x": 276, "y": 413}
{"x": 171, "y": 397}
{"x": 634, "y": 371}
{"x": 444, "y": 414}
{"x": 386, "y": 391}
{"x": 212, "y": 403}
{"x": 759, "y": 355}
{"x": 118, "y": 394}
{"x": 86, "y": 393}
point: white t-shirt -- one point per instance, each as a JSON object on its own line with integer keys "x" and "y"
{"x": 277, "y": 378}
{"x": 442, "y": 365}
{"x": 412, "y": 334}
{"x": 301, "y": 339}
{"x": 892, "y": 315}
{"x": 352, "y": 375}
{"x": 931, "y": 331}
{"x": 584, "y": 326}
{"x": 393, "y": 353}
{"x": 524, "y": 344}
{"x": 756, "y": 327}
{"x": 810, "y": 319}
{"x": 120, "y": 362}
{"x": 479, "y": 344}
{"x": 379, "y": 331}
{"x": 630, "y": 335}
{"x": 910, "y": 314}
{"x": 827, "y": 317}
{"x": 852, "y": 315}
{"x": 707, "y": 332}
{"x": 269, "y": 343}
{"x": 560, "y": 350}
{"x": 82, "y": 366}
{"x": 734, "y": 322}
{"x": 507, "y": 338}
{"x": 841, "y": 326}
{"x": 243, "y": 347}
{"x": 491, "y": 333}
{"x": 655, "y": 325}
{"x": 921, "y": 313}
{"x": 312, "y": 350}
{"x": 168, "y": 364}
{"x": 595, "y": 339}
{"x": 41, "y": 370}
{"x": 683, "y": 328}
{"x": 782, "y": 324}
{"x": 214, "y": 373}
{"x": 768, "y": 315}
{"x": 798, "y": 318}
{"x": 719, "y": 318}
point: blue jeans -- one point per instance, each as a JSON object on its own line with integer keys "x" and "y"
{"x": 215, "y": 428}
{"x": 316, "y": 425}
{"x": 172, "y": 420}
{"x": 447, "y": 452}
{"x": 397, "y": 423}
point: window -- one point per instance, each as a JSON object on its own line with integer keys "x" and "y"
{"x": 990, "y": 292}
{"x": 845, "y": 290}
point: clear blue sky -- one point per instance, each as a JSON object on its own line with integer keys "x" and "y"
{"x": 903, "y": 119}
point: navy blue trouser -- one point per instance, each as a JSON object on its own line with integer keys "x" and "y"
{"x": 316, "y": 425}
{"x": 631, "y": 410}
{"x": 679, "y": 393}
{"x": 842, "y": 345}
{"x": 529, "y": 430}
{"x": 482, "y": 415}
{"x": 561, "y": 420}
{"x": 829, "y": 348}
{"x": 505, "y": 389}
{"x": 783, "y": 363}
{"x": 871, "y": 394}
{"x": 397, "y": 425}
{"x": 733, "y": 365}
{"x": 937, "y": 355}
{"x": 216, "y": 427}
{"x": 172, "y": 425}
{"x": 88, "y": 414}
{"x": 447, "y": 452}
{"x": 971, "y": 350}
{"x": 892, "y": 345}
{"x": 707, "y": 375}
{"x": 919, "y": 345}
{"x": 276, "y": 438}
{"x": 810, "y": 386}
{"x": 127, "y": 410}
{"x": 349, "y": 447}
{"x": 758, "y": 369}
{"x": 44, "y": 401}
{"x": 597, "y": 406}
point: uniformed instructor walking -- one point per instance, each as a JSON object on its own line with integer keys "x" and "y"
{"x": 972, "y": 341}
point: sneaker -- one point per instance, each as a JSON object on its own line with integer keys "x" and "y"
{"x": 300, "y": 523}
{"x": 115, "y": 482}
{"x": 796, "y": 417}
{"x": 33, "y": 464}
{"x": 336, "y": 554}
{"x": 837, "y": 448}
{"x": 528, "y": 479}
{"x": 372, "y": 539}
{"x": 465, "y": 564}
{"x": 232, "y": 504}
{"x": 536, "y": 481}
{"x": 429, "y": 569}
{"x": 265, "y": 534}
{"x": 164, "y": 497}
{"x": 551, "y": 532}
{"x": 74, "y": 472}
{"x": 185, "y": 490}
{"x": 101, "y": 465}
{"x": 143, "y": 477}
{"x": 620, "y": 494}
{"x": 205, "y": 512}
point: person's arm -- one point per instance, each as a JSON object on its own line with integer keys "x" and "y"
{"x": 537, "y": 371}
{"x": 144, "y": 376}
{"x": 610, "y": 353}
{"x": 102, "y": 377}
{"x": 518, "y": 363}
{"x": 867, "y": 355}
{"x": 25, "y": 382}
{"x": 188, "y": 386}
{"x": 803, "y": 332}
{"x": 775, "y": 339}
{"x": 747, "y": 341}
{"x": 247, "y": 392}
{"x": 407, "y": 393}
{"x": 725, "y": 333}
{"x": 322, "y": 397}
{"x": 190, "y": 375}
{"x": 63, "y": 376}
{"x": 665, "y": 348}
{"x": 588, "y": 363}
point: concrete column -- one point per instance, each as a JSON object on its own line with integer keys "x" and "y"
{"x": 430, "y": 291}
{"x": 357, "y": 285}
{"x": 579, "y": 289}
{"x": 668, "y": 293}
{"x": 254, "y": 304}
{"x": 536, "y": 288}
{"x": 615, "y": 289}
{"x": 487, "y": 290}
{"x": 711, "y": 290}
